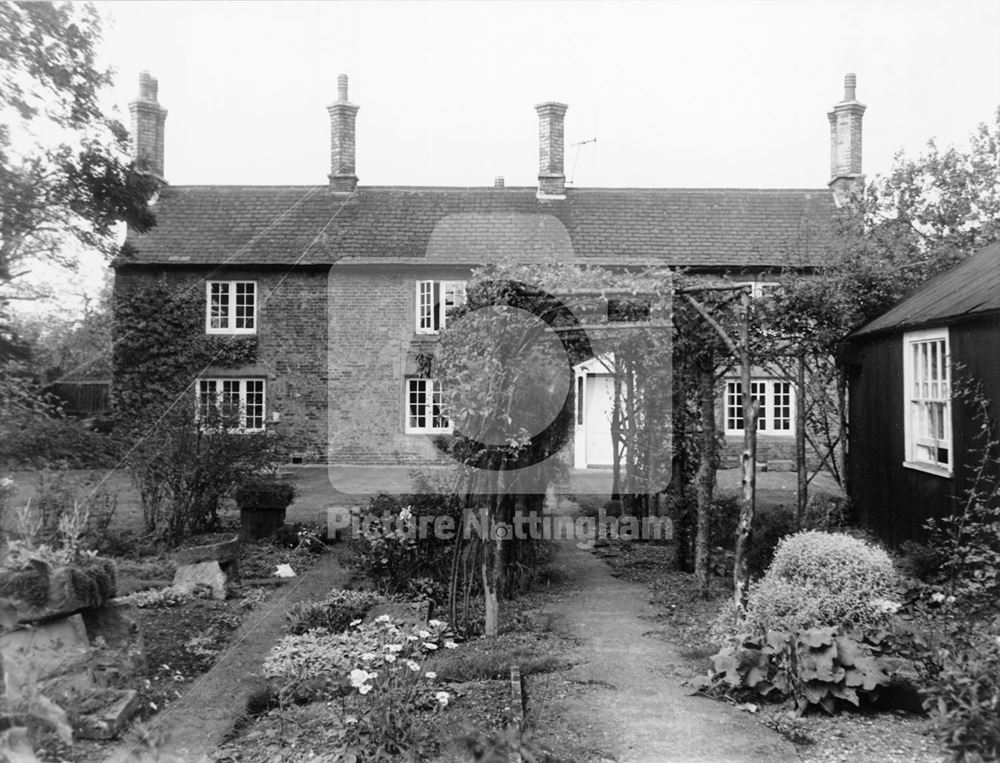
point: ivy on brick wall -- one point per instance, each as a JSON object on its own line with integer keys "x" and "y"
{"x": 160, "y": 348}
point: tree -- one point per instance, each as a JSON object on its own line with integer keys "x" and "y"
{"x": 64, "y": 176}
{"x": 505, "y": 365}
{"x": 922, "y": 217}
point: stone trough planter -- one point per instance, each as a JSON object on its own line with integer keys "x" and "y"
{"x": 213, "y": 565}
{"x": 262, "y": 507}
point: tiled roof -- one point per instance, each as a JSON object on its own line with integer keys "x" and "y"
{"x": 261, "y": 225}
{"x": 969, "y": 288}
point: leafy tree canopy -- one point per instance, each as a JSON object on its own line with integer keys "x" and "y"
{"x": 65, "y": 177}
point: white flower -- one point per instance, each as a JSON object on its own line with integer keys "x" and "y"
{"x": 284, "y": 571}
{"x": 405, "y": 514}
{"x": 424, "y": 634}
{"x": 432, "y": 675}
{"x": 394, "y": 648}
{"x": 368, "y": 656}
{"x": 383, "y": 619}
{"x": 429, "y": 645}
{"x": 449, "y": 644}
{"x": 360, "y": 677}
{"x": 389, "y": 657}
{"x": 6, "y": 482}
{"x": 442, "y": 697}
{"x": 355, "y": 623}
{"x": 435, "y": 623}
{"x": 937, "y": 597}
{"x": 949, "y": 600}
{"x": 364, "y": 688}
{"x": 411, "y": 637}
{"x": 885, "y": 605}
{"x": 412, "y": 665}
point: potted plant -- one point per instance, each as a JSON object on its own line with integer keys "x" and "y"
{"x": 262, "y": 503}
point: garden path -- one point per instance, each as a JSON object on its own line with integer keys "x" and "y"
{"x": 198, "y": 722}
{"x": 638, "y": 711}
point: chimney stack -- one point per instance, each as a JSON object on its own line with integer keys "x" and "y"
{"x": 498, "y": 181}
{"x": 343, "y": 113}
{"x": 147, "y": 127}
{"x": 846, "y": 178}
{"x": 551, "y": 176}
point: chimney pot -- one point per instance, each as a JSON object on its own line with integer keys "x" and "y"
{"x": 498, "y": 181}
{"x": 148, "y": 86}
{"x": 342, "y": 87}
{"x": 850, "y": 83}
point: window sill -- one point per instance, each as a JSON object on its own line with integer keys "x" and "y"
{"x": 428, "y": 431}
{"x": 783, "y": 434}
{"x": 228, "y": 332}
{"x": 937, "y": 471}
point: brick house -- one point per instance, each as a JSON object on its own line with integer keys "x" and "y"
{"x": 343, "y": 284}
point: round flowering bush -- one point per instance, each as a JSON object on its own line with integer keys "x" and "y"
{"x": 379, "y": 648}
{"x": 820, "y": 579}
{"x": 389, "y": 687}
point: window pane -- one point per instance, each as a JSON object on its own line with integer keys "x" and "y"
{"x": 417, "y": 395}
{"x": 439, "y": 420}
{"x": 245, "y": 296}
{"x": 206, "y": 397}
{"x": 425, "y": 305}
{"x": 219, "y": 305}
{"x": 734, "y": 406}
{"x": 254, "y": 408}
{"x": 758, "y": 393}
{"x": 436, "y": 311}
{"x": 782, "y": 406}
{"x": 454, "y": 295}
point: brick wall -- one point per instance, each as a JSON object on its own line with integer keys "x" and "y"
{"x": 372, "y": 329}
{"x": 292, "y": 344}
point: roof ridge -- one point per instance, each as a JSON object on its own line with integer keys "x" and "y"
{"x": 500, "y": 191}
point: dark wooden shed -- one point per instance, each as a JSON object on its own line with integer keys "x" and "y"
{"x": 912, "y": 443}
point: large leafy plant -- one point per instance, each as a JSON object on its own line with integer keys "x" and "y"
{"x": 815, "y": 667}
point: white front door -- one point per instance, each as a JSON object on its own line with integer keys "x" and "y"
{"x": 599, "y": 396}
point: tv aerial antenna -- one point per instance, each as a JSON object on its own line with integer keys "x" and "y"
{"x": 576, "y": 160}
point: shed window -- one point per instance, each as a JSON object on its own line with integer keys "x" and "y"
{"x": 927, "y": 395}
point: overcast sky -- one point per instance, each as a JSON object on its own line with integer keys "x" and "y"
{"x": 678, "y": 94}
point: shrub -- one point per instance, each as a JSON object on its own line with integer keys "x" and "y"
{"x": 921, "y": 561}
{"x": 771, "y": 524}
{"x": 822, "y": 579}
{"x": 392, "y": 552}
{"x": 824, "y": 667}
{"x": 828, "y": 513}
{"x": 188, "y": 462}
{"x": 333, "y": 613}
{"x": 330, "y": 657}
{"x": 965, "y": 699}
